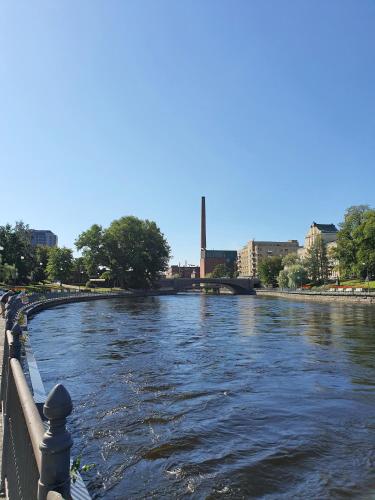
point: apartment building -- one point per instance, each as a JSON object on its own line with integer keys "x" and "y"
{"x": 254, "y": 251}
{"x": 43, "y": 237}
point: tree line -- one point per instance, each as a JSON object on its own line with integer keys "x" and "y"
{"x": 352, "y": 257}
{"x": 131, "y": 252}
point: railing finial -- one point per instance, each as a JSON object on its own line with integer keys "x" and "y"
{"x": 56, "y": 444}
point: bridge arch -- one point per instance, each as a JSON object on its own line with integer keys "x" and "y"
{"x": 240, "y": 286}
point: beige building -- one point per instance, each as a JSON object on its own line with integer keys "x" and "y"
{"x": 254, "y": 251}
{"x": 328, "y": 233}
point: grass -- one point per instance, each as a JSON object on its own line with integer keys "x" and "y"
{"x": 54, "y": 287}
{"x": 358, "y": 283}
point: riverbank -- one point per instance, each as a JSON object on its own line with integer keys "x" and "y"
{"x": 319, "y": 296}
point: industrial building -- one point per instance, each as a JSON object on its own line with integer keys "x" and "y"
{"x": 211, "y": 258}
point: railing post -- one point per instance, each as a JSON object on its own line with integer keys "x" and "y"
{"x": 8, "y": 323}
{"x": 15, "y": 346}
{"x": 55, "y": 446}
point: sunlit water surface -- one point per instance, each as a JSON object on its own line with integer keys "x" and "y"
{"x": 216, "y": 397}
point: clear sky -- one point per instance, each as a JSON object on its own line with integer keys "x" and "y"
{"x": 111, "y": 108}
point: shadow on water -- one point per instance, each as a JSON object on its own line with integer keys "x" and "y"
{"x": 208, "y": 397}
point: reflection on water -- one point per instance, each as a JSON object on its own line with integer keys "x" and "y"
{"x": 217, "y": 397}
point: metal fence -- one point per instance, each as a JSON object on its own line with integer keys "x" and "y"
{"x": 35, "y": 460}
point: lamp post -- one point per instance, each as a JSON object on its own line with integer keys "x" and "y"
{"x": 367, "y": 276}
{"x": 80, "y": 281}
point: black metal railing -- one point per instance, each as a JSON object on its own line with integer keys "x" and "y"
{"x": 36, "y": 445}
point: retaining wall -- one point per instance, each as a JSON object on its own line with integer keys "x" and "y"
{"x": 319, "y": 297}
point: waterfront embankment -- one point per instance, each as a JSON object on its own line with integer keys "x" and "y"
{"x": 341, "y": 297}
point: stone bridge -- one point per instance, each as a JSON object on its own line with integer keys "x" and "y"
{"x": 239, "y": 286}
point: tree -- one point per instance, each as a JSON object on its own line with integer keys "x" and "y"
{"x": 8, "y": 273}
{"x": 269, "y": 268}
{"x": 137, "y": 251}
{"x": 316, "y": 261}
{"x": 131, "y": 252}
{"x": 60, "y": 264}
{"x": 91, "y": 242}
{"x": 79, "y": 274}
{"x": 347, "y": 240}
{"x": 283, "y": 278}
{"x": 364, "y": 237}
{"x": 290, "y": 259}
{"x": 297, "y": 275}
{"x": 17, "y": 250}
{"x": 220, "y": 271}
{"x": 40, "y": 265}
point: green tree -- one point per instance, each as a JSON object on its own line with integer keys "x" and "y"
{"x": 8, "y": 273}
{"x": 316, "y": 261}
{"x": 365, "y": 240}
{"x": 269, "y": 269}
{"x": 297, "y": 275}
{"x": 17, "y": 250}
{"x": 40, "y": 263}
{"x": 60, "y": 264}
{"x": 91, "y": 242}
{"x": 79, "y": 274}
{"x": 290, "y": 259}
{"x": 220, "y": 271}
{"x": 136, "y": 250}
{"x": 347, "y": 240}
{"x": 283, "y": 278}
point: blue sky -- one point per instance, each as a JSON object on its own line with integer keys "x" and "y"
{"x": 111, "y": 108}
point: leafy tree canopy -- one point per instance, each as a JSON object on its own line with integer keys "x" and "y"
{"x": 290, "y": 259}
{"x": 60, "y": 264}
{"x": 40, "y": 263}
{"x": 269, "y": 269}
{"x": 220, "y": 271}
{"x": 316, "y": 261}
{"x": 352, "y": 244}
{"x": 365, "y": 239}
{"x": 17, "y": 251}
{"x": 297, "y": 276}
{"x": 91, "y": 242}
{"x": 132, "y": 251}
{"x": 283, "y": 278}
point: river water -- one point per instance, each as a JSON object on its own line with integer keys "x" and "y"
{"x": 196, "y": 396}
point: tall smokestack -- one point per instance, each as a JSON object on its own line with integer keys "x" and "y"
{"x": 203, "y": 224}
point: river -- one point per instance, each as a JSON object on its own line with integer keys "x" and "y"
{"x": 195, "y": 396}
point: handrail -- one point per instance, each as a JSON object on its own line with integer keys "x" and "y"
{"x": 28, "y": 452}
{"x": 31, "y": 414}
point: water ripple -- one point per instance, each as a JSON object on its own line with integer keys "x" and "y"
{"x": 217, "y": 397}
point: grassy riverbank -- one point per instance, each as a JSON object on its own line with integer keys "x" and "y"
{"x": 358, "y": 284}
{"x": 322, "y": 296}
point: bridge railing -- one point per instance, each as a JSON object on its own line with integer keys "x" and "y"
{"x": 36, "y": 445}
